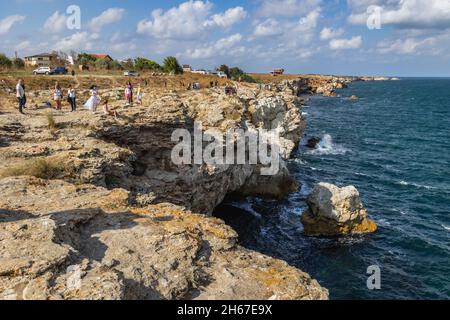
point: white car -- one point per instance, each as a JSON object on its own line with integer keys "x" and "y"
{"x": 42, "y": 70}
{"x": 222, "y": 74}
{"x": 130, "y": 73}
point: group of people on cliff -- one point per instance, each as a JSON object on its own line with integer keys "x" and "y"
{"x": 92, "y": 103}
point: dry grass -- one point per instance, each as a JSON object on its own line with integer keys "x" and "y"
{"x": 39, "y": 168}
{"x": 52, "y": 125}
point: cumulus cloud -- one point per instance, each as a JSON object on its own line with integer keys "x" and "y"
{"x": 79, "y": 41}
{"x": 228, "y": 18}
{"x": 329, "y": 33}
{"x": 55, "y": 23}
{"x": 7, "y": 23}
{"x": 305, "y": 26}
{"x": 221, "y": 47}
{"x": 269, "y": 27}
{"x": 407, "y": 46}
{"x": 346, "y": 44}
{"x": 188, "y": 21}
{"x": 108, "y": 16}
{"x": 411, "y": 14}
{"x": 287, "y": 8}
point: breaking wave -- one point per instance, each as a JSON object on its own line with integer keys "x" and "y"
{"x": 326, "y": 146}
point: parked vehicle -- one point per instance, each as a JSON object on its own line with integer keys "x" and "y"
{"x": 59, "y": 70}
{"x": 42, "y": 70}
{"x": 130, "y": 73}
{"x": 48, "y": 71}
{"x": 222, "y": 74}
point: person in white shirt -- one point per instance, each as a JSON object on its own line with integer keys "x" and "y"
{"x": 20, "y": 94}
{"x": 72, "y": 98}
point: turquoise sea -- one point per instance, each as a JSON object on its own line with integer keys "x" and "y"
{"x": 393, "y": 145}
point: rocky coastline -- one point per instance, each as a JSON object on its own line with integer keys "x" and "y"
{"x": 99, "y": 198}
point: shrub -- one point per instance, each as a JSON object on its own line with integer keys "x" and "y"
{"x": 18, "y": 63}
{"x": 5, "y": 62}
{"x": 172, "y": 66}
{"x": 145, "y": 64}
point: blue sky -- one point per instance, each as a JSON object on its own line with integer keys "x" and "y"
{"x": 355, "y": 37}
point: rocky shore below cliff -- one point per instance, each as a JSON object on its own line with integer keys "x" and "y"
{"x": 98, "y": 197}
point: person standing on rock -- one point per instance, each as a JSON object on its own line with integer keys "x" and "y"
{"x": 129, "y": 93}
{"x": 20, "y": 94}
{"x": 58, "y": 96}
{"x": 140, "y": 95}
{"x": 72, "y": 98}
{"x": 93, "y": 101}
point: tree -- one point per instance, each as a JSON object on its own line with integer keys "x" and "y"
{"x": 86, "y": 59}
{"x": 5, "y": 62}
{"x": 145, "y": 64}
{"x": 236, "y": 73}
{"x": 101, "y": 64}
{"x": 128, "y": 64}
{"x": 18, "y": 63}
{"x": 225, "y": 69}
{"x": 172, "y": 66}
{"x": 115, "y": 65}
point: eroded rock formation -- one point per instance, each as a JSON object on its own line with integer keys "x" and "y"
{"x": 336, "y": 211}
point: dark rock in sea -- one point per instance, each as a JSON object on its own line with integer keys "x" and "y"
{"x": 313, "y": 142}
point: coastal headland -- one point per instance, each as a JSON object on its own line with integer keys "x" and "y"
{"x": 92, "y": 206}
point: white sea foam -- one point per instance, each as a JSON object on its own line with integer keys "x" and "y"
{"x": 419, "y": 186}
{"x": 327, "y": 146}
{"x": 445, "y": 227}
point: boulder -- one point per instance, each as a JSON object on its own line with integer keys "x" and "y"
{"x": 313, "y": 142}
{"x": 336, "y": 211}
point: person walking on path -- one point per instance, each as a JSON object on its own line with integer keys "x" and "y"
{"x": 72, "y": 98}
{"x": 20, "y": 94}
{"x": 58, "y": 96}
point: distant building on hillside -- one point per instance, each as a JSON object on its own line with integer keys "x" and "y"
{"x": 277, "y": 72}
{"x": 40, "y": 60}
{"x": 187, "y": 68}
{"x": 204, "y": 72}
{"x": 105, "y": 57}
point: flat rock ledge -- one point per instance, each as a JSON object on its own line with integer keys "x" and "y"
{"x": 336, "y": 211}
{"x": 81, "y": 242}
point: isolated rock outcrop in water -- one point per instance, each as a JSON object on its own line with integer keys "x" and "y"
{"x": 336, "y": 211}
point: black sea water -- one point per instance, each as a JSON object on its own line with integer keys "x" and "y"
{"x": 393, "y": 144}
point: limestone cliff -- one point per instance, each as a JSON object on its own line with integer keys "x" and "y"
{"x": 101, "y": 196}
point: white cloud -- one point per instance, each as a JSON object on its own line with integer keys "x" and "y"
{"x": 78, "y": 41}
{"x": 269, "y": 27}
{"x": 329, "y": 33}
{"x": 228, "y": 18}
{"x": 305, "y": 28}
{"x": 287, "y": 8}
{"x": 407, "y": 46}
{"x": 188, "y": 21}
{"x": 108, "y": 16}
{"x": 7, "y": 23}
{"x": 411, "y": 14}
{"x": 24, "y": 45}
{"x": 221, "y": 47}
{"x": 55, "y": 23}
{"x": 345, "y": 44}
